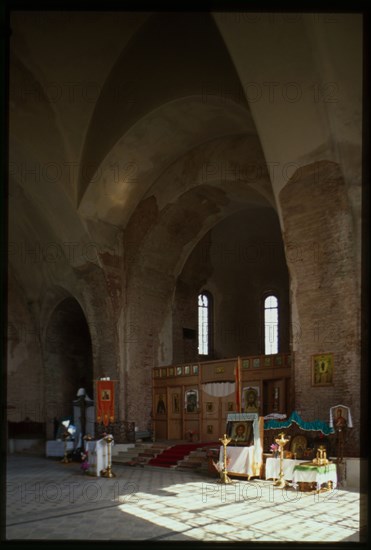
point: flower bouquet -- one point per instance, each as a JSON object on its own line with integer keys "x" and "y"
{"x": 219, "y": 466}
{"x": 85, "y": 462}
{"x": 274, "y": 448}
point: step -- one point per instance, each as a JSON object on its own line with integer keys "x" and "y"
{"x": 127, "y": 455}
{"x": 192, "y": 459}
{"x": 139, "y": 454}
{"x": 188, "y": 464}
{"x": 116, "y": 460}
{"x": 201, "y": 456}
{"x": 130, "y": 460}
{"x": 123, "y": 456}
{"x": 131, "y": 451}
{"x": 143, "y": 444}
{"x": 121, "y": 448}
{"x": 147, "y": 456}
{"x": 137, "y": 449}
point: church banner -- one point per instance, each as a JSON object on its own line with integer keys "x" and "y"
{"x": 105, "y": 402}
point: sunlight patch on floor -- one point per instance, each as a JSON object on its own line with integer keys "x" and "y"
{"x": 245, "y": 511}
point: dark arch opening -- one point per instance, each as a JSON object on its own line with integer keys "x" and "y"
{"x": 68, "y": 360}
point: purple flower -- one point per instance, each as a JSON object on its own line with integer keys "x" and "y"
{"x": 85, "y": 464}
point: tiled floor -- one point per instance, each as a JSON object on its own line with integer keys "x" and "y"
{"x": 52, "y": 501}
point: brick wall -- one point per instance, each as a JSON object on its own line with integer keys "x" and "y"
{"x": 321, "y": 251}
{"x": 25, "y": 373}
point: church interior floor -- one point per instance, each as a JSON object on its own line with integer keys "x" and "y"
{"x": 47, "y": 500}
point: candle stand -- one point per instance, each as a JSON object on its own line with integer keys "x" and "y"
{"x": 65, "y": 459}
{"x": 108, "y": 471}
{"x": 223, "y": 474}
{"x": 281, "y": 442}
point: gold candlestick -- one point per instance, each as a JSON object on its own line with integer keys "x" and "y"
{"x": 321, "y": 458}
{"x": 223, "y": 474}
{"x": 65, "y": 459}
{"x": 281, "y": 442}
{"x": 108, "y": 471}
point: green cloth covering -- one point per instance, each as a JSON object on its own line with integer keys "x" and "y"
{"x": 320, "y": 469}
{"x": 315, "y": 425}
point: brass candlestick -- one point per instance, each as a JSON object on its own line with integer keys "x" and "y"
{"x": 108, "y": 471}
{"x": 321, "y": 458}
{"x": 281, "y": 442}
{"x": 223, "y": 474}
{"x": 65, "y": 459}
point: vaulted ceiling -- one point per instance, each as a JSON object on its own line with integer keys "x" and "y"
{"x": 201, "y": 114}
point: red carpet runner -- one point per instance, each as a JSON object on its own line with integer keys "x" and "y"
{"x": 170, "y": 457}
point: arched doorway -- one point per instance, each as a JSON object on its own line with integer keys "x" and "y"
{"x": 68, "y": 360}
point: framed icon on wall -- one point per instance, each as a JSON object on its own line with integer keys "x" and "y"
{"x": 322, "y": 369}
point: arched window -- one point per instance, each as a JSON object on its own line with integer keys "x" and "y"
{"x": 204, "y": 310}
{"x": 270, "y": 325}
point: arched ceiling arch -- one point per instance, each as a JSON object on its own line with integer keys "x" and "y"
{"x": 46, "y": 233}
{"x": 70, "y": 53}
{"x": 172, "y": 55}
{"x": 233, "y": 163}
{"x": 153, "y": 144}
{"x": 182, "y": 206}
{"x": 34, "y": 123}
{"x": 302, "y": 77}
{"x": 187, "y": 220}
{"x": 40, "y": 249}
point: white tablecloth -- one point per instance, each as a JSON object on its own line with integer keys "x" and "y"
{"x": 56, "y": 448}
{"x": 319, "y": 475}
{"x": 272, "y": 468}
{"x": 240, "y": 460}
{"x": 97, "y": 455}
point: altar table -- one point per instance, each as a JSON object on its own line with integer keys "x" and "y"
{"x": 240, "y": 460}
{"x": 56, "y": 448}
{"x": 97, "y": 456}
{"x": 272, "y": 468}
{"x": 311, "y": 475}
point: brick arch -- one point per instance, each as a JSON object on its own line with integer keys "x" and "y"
{"x": 99, "y": 317}
{"x": 165, "y": 228}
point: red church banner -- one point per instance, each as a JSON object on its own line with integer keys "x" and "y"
{"x": 105, "y": 401}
